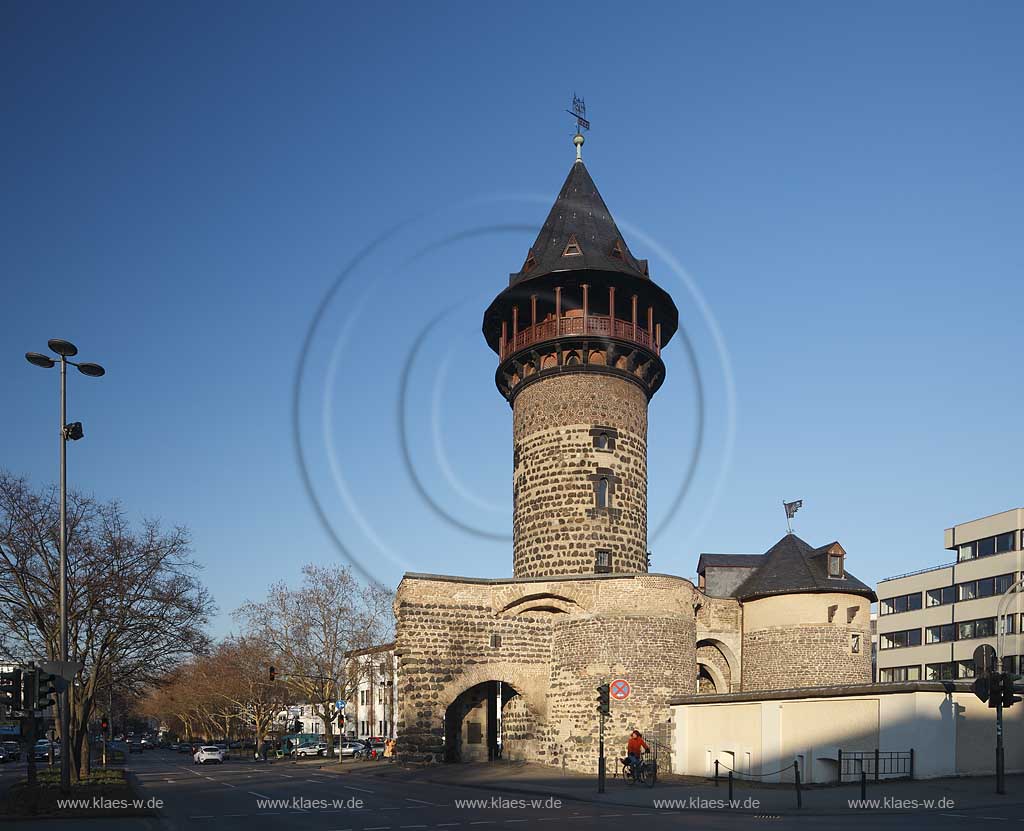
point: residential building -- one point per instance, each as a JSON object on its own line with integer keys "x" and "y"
{"x": 931, "y": 621}
{"x": 374, "y": 673}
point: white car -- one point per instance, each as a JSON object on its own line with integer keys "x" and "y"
{"x": 208, "y": 753}
{"x": 312, "y": 749}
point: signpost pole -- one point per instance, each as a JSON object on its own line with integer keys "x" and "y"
{"x": 600, "y": 758}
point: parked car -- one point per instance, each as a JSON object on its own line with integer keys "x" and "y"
{"x": 350, "y": 747}
{"x": 12, "y": 751}
{"x": 41, "y": 751}
{"x": 310, "y": 749}
{"x": 208, "y": 753}
{"x": 135, "y": 746}
{"x": 225, "y": 752}
{"x": 185, "y": 747}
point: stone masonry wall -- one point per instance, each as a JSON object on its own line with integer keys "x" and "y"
{"x": 443, "y": 642}
{"x": 557, "y": 526}
{"x": 560, "y": 639}
{"x": 654, "y": 653}
{"x": 805, "y": 640}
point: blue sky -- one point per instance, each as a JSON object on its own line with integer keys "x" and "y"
{"x": 840, "y": 187}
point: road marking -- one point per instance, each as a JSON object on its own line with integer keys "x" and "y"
{"x": 377, "y": 828}
{"x": 420, "y": 801}
{"x": 515, "y": 820}
{"x": 361, "y": 790}
{"x": 260, "y": 795}
{"x": 609, "y": 815}
{"x": 483, "y": 822}
{"x": 412, "y": 826}
{"x": 202, "y": 816}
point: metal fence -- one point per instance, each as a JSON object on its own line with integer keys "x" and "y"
{"x": 875, "y": 764}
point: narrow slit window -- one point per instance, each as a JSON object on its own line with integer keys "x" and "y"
{"x": 602, "y": 492}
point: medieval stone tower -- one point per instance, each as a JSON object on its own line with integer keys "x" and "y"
{"x": 510, "y": 666}
{"x": 578, "y": 333}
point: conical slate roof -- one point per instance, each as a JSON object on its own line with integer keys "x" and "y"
{"x": 791, "y": 566}
{"x": 578, "y": 234}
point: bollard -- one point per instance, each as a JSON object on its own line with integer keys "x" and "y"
{"x": 863, "y": 784}
{"x": 716, "y": 773}
{"x": 796, "y": 779}
{"x": 730, "y": 788}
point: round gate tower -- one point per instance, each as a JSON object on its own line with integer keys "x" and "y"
{"x": 579, "y": 333}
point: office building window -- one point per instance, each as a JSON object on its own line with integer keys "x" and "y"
{"x": 1006, "y": 542}
{"x": 983, "y": 628}
{"x": 898, "y": 640}
{"x": 965, "y": 669}
{"x": 999, "y": 544}
{"x": 908, "y": 673}
{"x": 940, "y": 597}
{"x": 984, "y": 587}
{"x": 903, "y": 603}
{"x": 946, "y": 671}
{"x": 940, "y": 634}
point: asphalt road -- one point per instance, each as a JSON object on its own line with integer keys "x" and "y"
{"x": 242, "y": 794}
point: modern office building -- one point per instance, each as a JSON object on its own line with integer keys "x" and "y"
{"x": 931, "y": 621}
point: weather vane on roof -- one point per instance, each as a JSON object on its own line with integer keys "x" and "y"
{"x": 579, "y": 109}
{"x": 791, "y": 509}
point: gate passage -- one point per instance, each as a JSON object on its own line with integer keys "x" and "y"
{"x": 619, "y": 689}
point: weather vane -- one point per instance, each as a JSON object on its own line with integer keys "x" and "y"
{"x": 579, "y": 109}
{"x": 791, "y": 508}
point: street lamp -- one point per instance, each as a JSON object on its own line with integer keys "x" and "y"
{"x": 68, "y": 432}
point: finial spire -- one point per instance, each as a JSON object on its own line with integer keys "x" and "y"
{"x": 579, "y": 109}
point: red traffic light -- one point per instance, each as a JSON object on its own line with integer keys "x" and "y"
{"x": 273, "y": 673}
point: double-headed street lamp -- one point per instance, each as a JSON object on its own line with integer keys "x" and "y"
{"x": 68, "y": 432}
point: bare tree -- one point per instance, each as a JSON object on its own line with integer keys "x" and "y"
{"x": 314, "y": 626}
{"x": 136, "y": 607}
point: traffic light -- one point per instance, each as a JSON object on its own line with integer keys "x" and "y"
{"x": 45, "y": 686}
{"x": 104, "y": 725}
{"x": 995, "y": 689}
{"x": 297, "y": 726}
{"x": 10, "y": 689}
{"x": 1009, "y": 699}
{"x": 273, "y": 674}
{"x": 604, "y": 700}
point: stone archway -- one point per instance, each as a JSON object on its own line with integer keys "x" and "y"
{"x": 715, "y": 666}
{"x": 488, "y": 721}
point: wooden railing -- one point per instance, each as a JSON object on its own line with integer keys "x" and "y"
{"x": 599, "y": 325}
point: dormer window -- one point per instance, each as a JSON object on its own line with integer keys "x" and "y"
{"x": 835, "y": 565}
{"x": 572, "y": 247}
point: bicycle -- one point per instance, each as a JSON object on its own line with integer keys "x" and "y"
{"x": 646, "y": 772}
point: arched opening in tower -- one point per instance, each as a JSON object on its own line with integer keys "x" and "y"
{"x": 487, "y": 722}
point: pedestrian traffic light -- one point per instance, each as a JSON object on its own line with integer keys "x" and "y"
{"x": 604, "y": 700}
{"x": 1009, "y": 699}
{"x": 273, "y": 674}
{"x": 10, "y": 689}
{"x": 104, "y": 724}
{"x": 44, "y": 687}
{"x": 995, "y": 689}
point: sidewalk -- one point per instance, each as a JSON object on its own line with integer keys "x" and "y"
{"x": 893, "y": 796}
